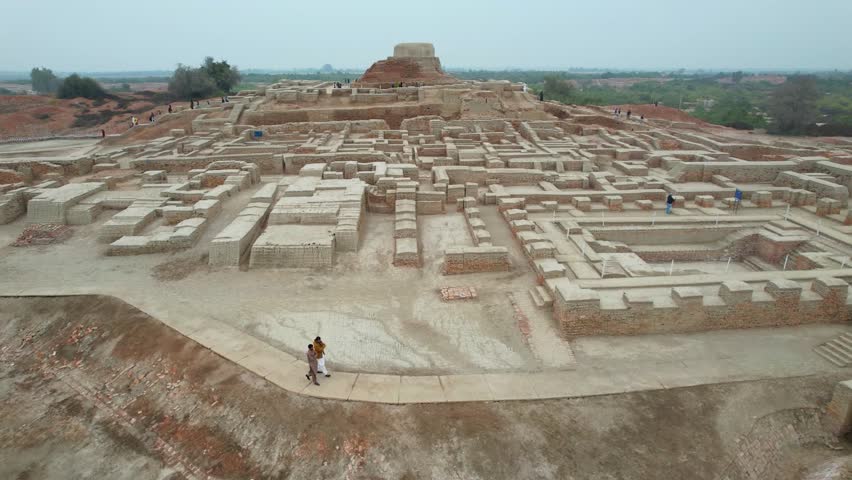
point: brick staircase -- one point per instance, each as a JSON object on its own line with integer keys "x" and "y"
{"x": 837, "y": 351}
{"x": 540, "y": 297}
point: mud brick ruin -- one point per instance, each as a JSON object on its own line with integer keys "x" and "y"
{"x": 574, "y": 195}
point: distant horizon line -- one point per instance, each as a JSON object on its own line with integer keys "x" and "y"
{"x": 303, "y": 70}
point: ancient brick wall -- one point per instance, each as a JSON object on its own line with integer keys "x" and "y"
{"x": 393, "y": 115}
{"x": 268, "y": 163}
{"x": 591, "y": 320}
{"x": 476, "y": 259}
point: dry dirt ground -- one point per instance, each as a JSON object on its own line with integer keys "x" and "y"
{"x": 90, "y": 387}
{"x": 40, "y": 115}
{"x": 660, "y": 112}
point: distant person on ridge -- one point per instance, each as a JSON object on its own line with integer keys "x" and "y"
{"x": 540, "y": 96}
{"x": 170, "y": 108}
{"x": 669, "y": 204}
{"x": 628, "y": 114}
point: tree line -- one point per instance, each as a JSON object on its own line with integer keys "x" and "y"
{"x": 211, "y": 78}
{"x": 802, "y": 105}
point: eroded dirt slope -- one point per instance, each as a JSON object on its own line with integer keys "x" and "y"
{"x": 91, "y": 387}
{"x": 39, "y": 115}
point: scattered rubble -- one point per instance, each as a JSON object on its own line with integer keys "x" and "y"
{"x": 43, "y": 234}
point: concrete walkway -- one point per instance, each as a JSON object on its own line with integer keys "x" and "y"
{"x": 288, "y": 372}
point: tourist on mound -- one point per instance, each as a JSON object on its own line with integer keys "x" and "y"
{"x": 170, "y": 108}
{"x": 540, "y": 96}
{"x": 312, "y": 364}
{"x": 319, "y": 348}
{"x": 628, "y": 114}
{"x": 669, "y": 204}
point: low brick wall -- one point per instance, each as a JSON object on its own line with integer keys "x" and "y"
{"x": 476, "y": 260}
{"x": 267, "y": 162}
{"x": 579, "y": 312}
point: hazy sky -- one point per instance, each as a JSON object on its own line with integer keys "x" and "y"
{"x": 111, "y": 35}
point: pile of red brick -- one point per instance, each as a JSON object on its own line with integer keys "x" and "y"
{"x": 426, "y": 70}
{"x": 43, "y": 234}
{"x": 458, "y": 293}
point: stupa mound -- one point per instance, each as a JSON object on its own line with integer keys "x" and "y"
{"x": 411, "y": 63}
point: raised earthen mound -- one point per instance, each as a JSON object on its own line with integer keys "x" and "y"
{"x": 407, "y": 70}
{"x": 41, "y": 115}
{"x": 412, "y": 63}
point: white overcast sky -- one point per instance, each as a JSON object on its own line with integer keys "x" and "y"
{"x": 113, "y": 35}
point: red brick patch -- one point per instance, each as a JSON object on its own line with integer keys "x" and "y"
{"x": 43, "y": 234}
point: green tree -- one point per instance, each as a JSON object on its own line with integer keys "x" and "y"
{"x": 225, "y": 76}
{"x": 733, "y": 110}
{"x": 793, "y": 105}
{"x": 43, "y": 80}
{"x": 76, "y": 86}
{"x": 191, "y": 83}
{"x": 560, "y": 89}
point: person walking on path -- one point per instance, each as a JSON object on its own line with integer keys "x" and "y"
{"x": 312, "y": 365}
{"x": 319, "y": 348}
{"x": 669, "y": 204}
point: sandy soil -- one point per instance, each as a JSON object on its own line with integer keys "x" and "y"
{"x": 93, "y": 388}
